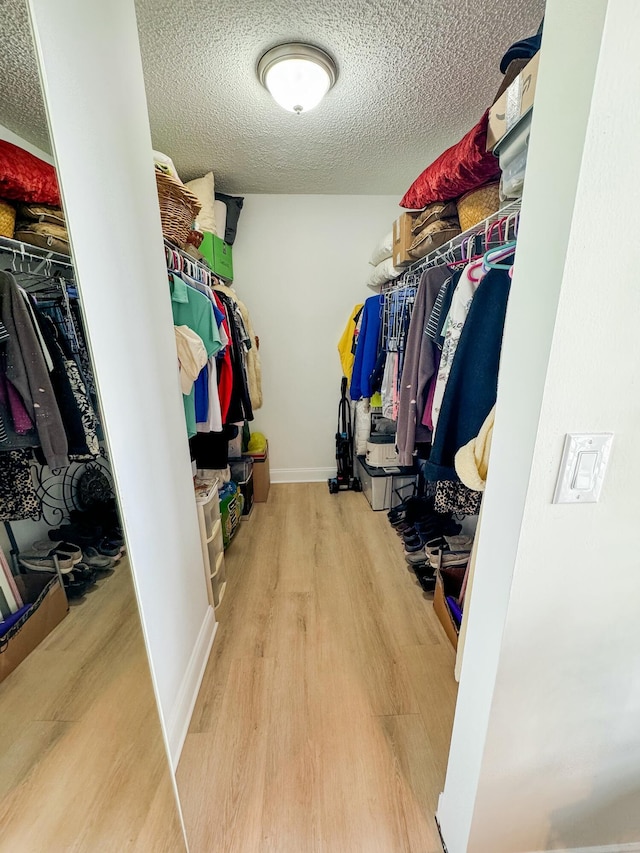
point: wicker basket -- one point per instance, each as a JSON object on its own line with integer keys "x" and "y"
{"x": 178, "y": 208}
{"x": 7, "y": 219}
{"x": 478, "y": 204}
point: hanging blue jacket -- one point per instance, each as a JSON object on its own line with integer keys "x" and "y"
{"x": 367, "y": 348}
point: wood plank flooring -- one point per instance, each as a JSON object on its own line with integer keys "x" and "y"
{"x": 83, "y": 768}
{"x": 324, "y": 718}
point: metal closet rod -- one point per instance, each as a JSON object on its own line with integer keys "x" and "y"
{"x": 26, "y": 250}
{"x": 187, "y": 257}
{"x": 480, "y": 228}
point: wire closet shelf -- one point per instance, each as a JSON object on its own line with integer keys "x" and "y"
{"x": 25, "y": 253}
{"x": 179, "y": 261}
{"x": 487, "y": 234}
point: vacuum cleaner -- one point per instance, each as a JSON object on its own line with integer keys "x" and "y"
{"x": 345, "y": 478}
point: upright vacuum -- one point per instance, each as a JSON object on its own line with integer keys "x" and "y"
{"x": 345, "y": 478}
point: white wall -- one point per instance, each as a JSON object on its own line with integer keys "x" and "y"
{"x": 563, "y": 97}
{"x": 94, "y": 91}
{"x": 563, "y": 749}
{"x": 301, "y": 263}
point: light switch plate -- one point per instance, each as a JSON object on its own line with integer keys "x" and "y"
{"x": 584, "y": 462}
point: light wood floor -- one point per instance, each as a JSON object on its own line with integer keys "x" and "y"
{"x": 83, "y": 767}
{"x": 324, "y": 719}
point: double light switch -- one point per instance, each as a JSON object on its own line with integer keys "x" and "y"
{"x": 583, "y": 466}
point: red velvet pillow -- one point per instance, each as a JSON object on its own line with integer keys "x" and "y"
{"x": 461, "y": 168}
{"x": 24, "y": 177}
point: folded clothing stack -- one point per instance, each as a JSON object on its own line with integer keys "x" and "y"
{"x": 436, "y": 225}
{"x": 44, "y": 226}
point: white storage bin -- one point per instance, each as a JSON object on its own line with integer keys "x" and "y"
{"x": 381, "y": 454}
{"x": 380, "y": 488}
{"x": 512, "y": 151}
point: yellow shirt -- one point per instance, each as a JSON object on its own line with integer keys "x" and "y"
{"x": 345, "y": 344}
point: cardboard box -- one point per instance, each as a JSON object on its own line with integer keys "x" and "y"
{"x": 402, "y": 239}
{"x": 513, "y": 69}
{"x": 448, "y": 582}
{"x": 219, "y": 255}
{"x": 261, "y": 477}
{"x": 47, "y": 593}
{"x": 512, "y": 104}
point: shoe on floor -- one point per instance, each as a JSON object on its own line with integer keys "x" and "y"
{"x": 416, "y": 557}
{"x": 108, "y": 548}
{"x": 95, "y": 560}
{"x": 449, "y": 559}
{"x": 427, "y": 580}
{"x": 39, "y": 562}
{"x": 68, "y": 549}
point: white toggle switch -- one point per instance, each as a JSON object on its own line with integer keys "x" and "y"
{"x": 583, "y": 466}
{"x": 585, "y": 470}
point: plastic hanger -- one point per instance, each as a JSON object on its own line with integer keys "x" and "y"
{"x": 499, "y": 253}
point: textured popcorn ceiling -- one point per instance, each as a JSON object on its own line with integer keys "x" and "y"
{"x": 414, "y": 76}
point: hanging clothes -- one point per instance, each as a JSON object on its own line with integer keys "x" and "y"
{"x": 465, "y": 289}
{"x": 224, "y": 367}
{"x": 472, "y": 385}
{"x": 472, "y": 460}
{"x": 418, "y": 367}
{"x": 193, "y": 309}
{"x": 58, "y": 315}
{"x": 25, "y": 367}
{"x": 83, "y": 356}
{"x": 345, "y": 344}
{"x": 240, "y": 408}
{"x": 253, "y": 364}
{"x": 18, "y": 498}
{"x": 65, "y": 396}
{"x": 367, "y": 348}
{"x": 457, "y": 498}
{"x": 210, "y": 418}
{"x": 87, "y": 412}
{"x": 389, "y": 389}
{"x": 19, "y": 428}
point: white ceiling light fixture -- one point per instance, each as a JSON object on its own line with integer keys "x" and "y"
{"x": 298, "y": 76}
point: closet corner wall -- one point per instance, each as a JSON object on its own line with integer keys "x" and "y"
{"x": 117, "y": 244}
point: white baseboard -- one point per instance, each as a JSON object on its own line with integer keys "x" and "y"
{"x": 301, "y": 475}
{"x": 188, "y": 693}
{"x": 633, "y": 847}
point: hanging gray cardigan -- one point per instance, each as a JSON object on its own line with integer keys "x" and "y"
{"x": 419, "y": 366}
{"x": 27, "y": 371}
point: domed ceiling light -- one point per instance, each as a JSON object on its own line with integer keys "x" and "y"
{"x": 298, "y": 76}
